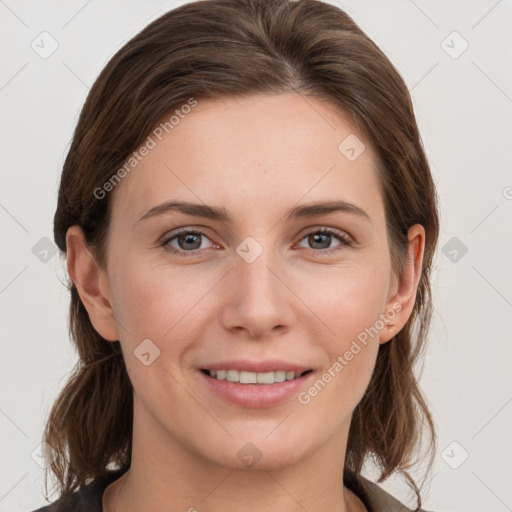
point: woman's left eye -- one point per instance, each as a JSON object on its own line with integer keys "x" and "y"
{"x": 190, "y": 242}
{"x": 324, "y": 236}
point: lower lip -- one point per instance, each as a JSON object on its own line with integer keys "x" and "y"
{"x": 256, "y": 396}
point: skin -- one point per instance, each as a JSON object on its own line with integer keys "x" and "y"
{"x": 257, "y": 157}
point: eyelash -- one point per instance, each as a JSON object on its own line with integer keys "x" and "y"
{"x": 344, "y": 241}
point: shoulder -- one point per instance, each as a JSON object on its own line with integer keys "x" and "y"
{"x": 382, "y": 501}
{"x": 87, "y": 499}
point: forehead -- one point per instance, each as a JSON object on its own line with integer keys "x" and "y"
{"x": 264, "y": 152}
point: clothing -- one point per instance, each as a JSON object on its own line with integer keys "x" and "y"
{"x": 89, "y": 498}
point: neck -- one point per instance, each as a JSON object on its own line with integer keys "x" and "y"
{"x": 175, "y": 475}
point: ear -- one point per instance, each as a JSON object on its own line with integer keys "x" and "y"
{"x": 403, "y": 292}
{"x": 91, "y": 283}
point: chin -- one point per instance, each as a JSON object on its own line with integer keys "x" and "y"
{"x": 257, "y": 453}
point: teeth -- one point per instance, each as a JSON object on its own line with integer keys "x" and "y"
{"x": 244, "y": 377}
{"x": 248, "y": 377}
{"x": 233, "y": 375}
{"x": 280, "y": 376}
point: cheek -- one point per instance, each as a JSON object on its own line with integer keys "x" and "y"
{"x": 350, "y": 353}
{"x": 350, "y": 322}
{"x": 349, "y": 302}
{"x": 339, "y": 388}
{"x": 152, "y": 302}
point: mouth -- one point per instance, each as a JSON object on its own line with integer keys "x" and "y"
{"x": 247, "y": 377}
{"x": 255, "y": 384}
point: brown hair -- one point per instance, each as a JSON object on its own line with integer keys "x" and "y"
{"x": 233, "y": 48}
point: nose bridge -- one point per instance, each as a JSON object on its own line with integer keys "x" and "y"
{"x": 257, "y": 299}
{"x": 253, "y": 268}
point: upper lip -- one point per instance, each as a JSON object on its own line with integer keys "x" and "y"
{"x": 270, "y": 365}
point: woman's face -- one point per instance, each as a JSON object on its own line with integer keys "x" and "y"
{"x": 261, "y": 284}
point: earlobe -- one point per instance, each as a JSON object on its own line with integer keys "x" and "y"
{"x": 91, "y": 282}
{"x": 399, "y": 307}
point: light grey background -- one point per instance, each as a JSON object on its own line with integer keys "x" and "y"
{"x": 464, "y": 108}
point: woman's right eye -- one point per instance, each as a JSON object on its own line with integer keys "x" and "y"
{"x": 186, "y": 239}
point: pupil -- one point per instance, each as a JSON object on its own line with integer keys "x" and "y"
{"x": 189, "y": 238}
{"x": 325, "y": 237}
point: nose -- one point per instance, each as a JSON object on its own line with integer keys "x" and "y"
{"x": 258, "y": 300}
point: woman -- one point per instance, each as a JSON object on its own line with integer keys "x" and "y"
{"x": 267, "y": 362}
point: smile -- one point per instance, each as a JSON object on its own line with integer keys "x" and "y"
{"x": 256, "y": 390}
{"x": 246, "y": 377}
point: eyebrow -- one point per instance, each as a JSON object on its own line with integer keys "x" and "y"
{"x": 221, "y": 214}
